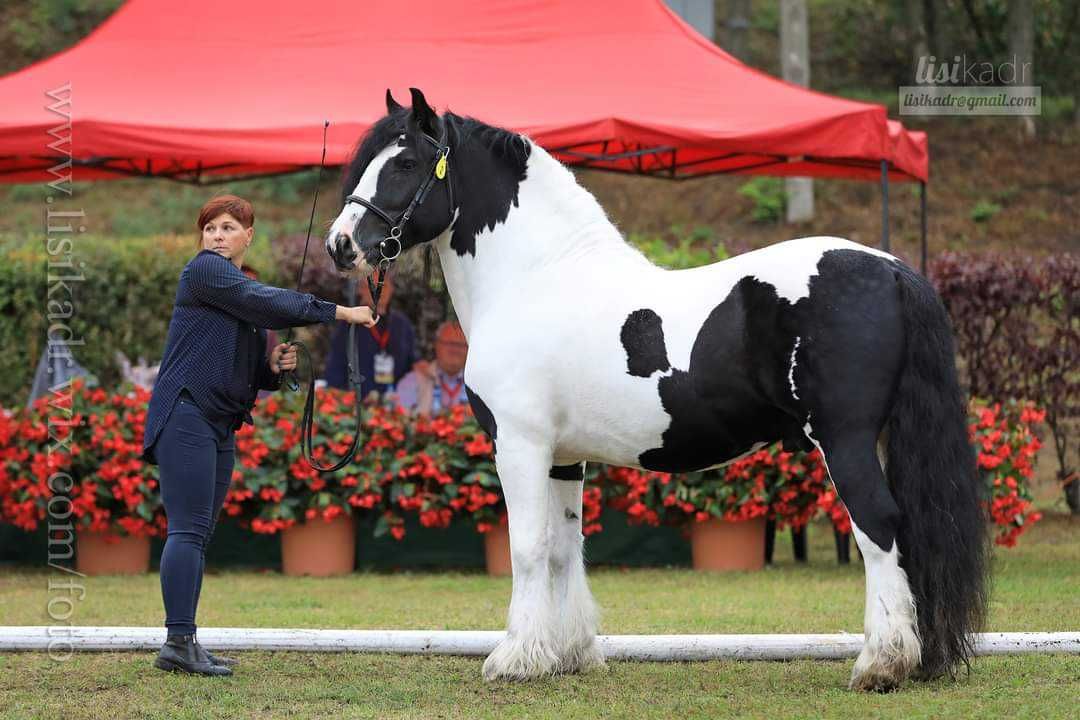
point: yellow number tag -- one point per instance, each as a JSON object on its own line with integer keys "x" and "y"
{"x": 440, "y": 168}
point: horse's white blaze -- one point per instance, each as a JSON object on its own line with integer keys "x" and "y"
{"x": 351, "y": 215}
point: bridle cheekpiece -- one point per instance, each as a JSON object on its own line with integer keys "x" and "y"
{"x": 390, "y": 247}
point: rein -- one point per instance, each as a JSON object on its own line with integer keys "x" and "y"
{"x": 389, "y": 253}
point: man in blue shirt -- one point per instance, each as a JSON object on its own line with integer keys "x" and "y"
{"x": 433, "y": 388}
{"x": 385, "y": 352}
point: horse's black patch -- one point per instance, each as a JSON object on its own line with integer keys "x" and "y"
{"x": 483, "y": 415}
{"x": 488, "y": 166}
{"x": 643, "y": 338}
{"x": 567, "y": 472}
{"x": 727, "y": 399}
{"x": 737, "y": 389}
{"x": 796, "y": 441}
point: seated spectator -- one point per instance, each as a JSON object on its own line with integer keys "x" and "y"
{"x": 432, "y": 388}
{"x": 386, "y": 352}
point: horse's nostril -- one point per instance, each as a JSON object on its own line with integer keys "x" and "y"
{"x": 343, "y": 250}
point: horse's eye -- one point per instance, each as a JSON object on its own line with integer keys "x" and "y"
{"x": 405, "y": 164}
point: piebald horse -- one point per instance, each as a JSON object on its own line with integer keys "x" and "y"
{"x": 581, "y": 350}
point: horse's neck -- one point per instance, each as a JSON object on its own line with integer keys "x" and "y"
{"x": 555, "y": 226}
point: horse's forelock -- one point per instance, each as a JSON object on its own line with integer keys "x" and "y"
{"x": 381, "y": 134}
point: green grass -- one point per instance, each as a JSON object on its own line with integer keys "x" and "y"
{"x": 1034, "y": 589}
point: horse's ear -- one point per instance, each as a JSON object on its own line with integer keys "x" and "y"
{"x": 392, "y": 105}
{"x": 425, "y": 117}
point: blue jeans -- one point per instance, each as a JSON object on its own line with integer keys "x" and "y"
{"x": 195, "y": 463}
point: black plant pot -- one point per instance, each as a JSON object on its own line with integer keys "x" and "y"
{"x": 1072, "y": 496}
{"x": 798, "y": 542}
{"x": 843, "y": 546}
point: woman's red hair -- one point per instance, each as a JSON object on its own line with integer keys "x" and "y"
{"x": 238, "y": 207}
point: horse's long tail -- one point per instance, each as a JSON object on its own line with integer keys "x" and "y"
{"x": 932, "y": 474}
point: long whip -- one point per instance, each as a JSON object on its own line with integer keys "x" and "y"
{"x": 307, "y": 421}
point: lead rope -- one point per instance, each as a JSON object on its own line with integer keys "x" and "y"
{"x": 307, "y": 422}
{"x": 389, "y": 253}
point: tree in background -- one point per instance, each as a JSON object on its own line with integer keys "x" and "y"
{"x": 35, "y": 29}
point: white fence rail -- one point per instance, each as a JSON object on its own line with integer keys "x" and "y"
{"x": 656, "y": 648}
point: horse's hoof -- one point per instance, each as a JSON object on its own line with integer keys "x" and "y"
{"x": 516, "y": 660}
{"x": 880, "y": 672}
{"x": 583, "y": 659}
{"x": 874, "y": 682}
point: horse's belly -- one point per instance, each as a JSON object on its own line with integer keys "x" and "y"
{"x": 637, "y": 394}
{"x": 636, "y": 432}
{"x": 619, "y": 411}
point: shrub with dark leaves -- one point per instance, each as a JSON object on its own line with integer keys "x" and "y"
{"x": 1017, "y": 325}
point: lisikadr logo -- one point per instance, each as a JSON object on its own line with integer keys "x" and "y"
{"x": 962, "y": 86}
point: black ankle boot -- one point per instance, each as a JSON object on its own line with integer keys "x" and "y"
{"x": 181, "y": 653}
{"x": 217, "y": 659}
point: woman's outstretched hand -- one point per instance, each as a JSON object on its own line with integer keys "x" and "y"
{"x": 359, "y": 315}
{"x": 283, "y": 358}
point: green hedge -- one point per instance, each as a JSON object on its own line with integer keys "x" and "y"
{"x": 123, "y": 301}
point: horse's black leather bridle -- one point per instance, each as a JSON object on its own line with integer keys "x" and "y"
{"x": 440, "y": 170}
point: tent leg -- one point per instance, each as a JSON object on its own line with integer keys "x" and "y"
{"x": 885, "y": 205}
{"x": 922, "y": 211}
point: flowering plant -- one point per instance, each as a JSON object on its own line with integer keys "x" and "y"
{"x": 735, "y": 492}
{"x": 441, "y": 468}
{"x": 89, "y": 442}
{"x": 795, "y": 481}
{"x": 1006, "y": 447}
{"x": 450, "y": 475}
{"x": 451, "y": 471}
{"x": 770, "y": 482}
{"x": 830, "y": 504}
{"x": 274, "y": 487}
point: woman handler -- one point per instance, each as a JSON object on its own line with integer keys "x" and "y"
{"x": 213, "y": 367}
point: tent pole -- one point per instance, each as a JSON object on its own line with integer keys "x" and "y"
{"x": 885, "y": 205}
{"x": 922, "y": 210}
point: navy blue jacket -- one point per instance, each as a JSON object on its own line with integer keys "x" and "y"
{"x": 216, "y": 345}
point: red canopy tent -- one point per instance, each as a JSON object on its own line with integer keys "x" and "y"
{"x": 204, "y": 89}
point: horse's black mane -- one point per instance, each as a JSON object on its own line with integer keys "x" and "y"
{"x": 461, "y": 131}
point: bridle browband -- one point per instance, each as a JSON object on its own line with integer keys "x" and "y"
{"x": 389, "y": 253}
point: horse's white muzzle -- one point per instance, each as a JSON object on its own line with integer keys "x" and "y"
{"x": 343, "y": 251}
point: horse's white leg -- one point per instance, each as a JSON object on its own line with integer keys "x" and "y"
{"x": 891, "y": 650}
{"x": 574, "y": 605}
{"x": 531, "y": 646}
